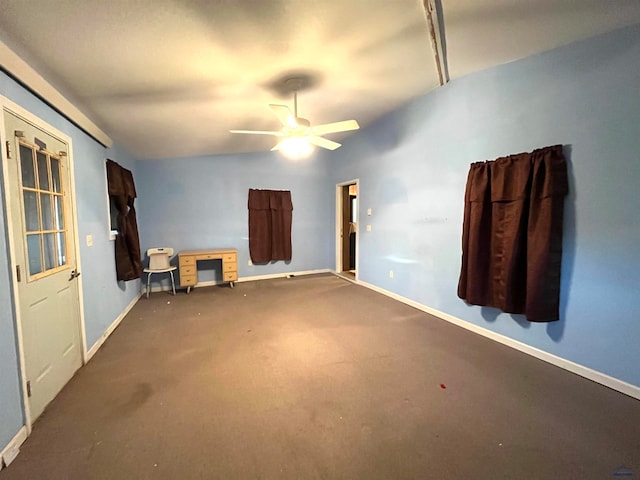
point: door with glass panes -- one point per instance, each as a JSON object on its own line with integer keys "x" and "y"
{"x": 44, "y": 258}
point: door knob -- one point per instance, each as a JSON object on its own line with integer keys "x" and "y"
{"x": 74, "y": 274}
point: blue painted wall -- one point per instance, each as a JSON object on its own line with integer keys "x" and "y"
{"x": 104, "y": 297}
{"x": 201, "y": 202}
{"x": 413, "y": 166}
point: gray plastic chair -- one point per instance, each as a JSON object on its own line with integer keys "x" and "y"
{"x": 159, "y": 263}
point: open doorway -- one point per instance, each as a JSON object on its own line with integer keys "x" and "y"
{"x": 347, "y": 229}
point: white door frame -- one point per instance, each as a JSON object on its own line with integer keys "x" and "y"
{"x": 6, "y": 104}
{"x": 338, "y": 243}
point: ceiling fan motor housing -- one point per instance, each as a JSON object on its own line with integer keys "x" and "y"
{"x": 303, "y": 122}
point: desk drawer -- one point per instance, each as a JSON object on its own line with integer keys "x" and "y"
{"x": 230, "y": 257}
{"x": 187, "y": 260}
{"x": 230, "y": 276}
{"x": 187, "y": 270}
{"x": 229, "y": 267}
{"x": 207, "y": 256}
{"x": 187, "y": 280}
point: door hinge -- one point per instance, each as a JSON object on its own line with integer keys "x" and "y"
{"x": 28, "y": 388}
{"x": 8, "y": 147}
{"x": 18, "y": 276}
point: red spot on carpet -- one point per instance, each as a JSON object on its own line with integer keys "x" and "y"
{"x": 442, "y": 385}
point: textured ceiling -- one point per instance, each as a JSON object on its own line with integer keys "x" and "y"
{"x": 170, "y": 78}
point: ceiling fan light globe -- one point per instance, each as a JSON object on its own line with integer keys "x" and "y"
{"x": 295, "y": 148}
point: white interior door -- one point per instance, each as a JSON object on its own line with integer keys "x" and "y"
{"x": 43, "y": 240}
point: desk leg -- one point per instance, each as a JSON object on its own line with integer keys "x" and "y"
{"x": 188, "y": 289}
{"x": 231, "y": 284}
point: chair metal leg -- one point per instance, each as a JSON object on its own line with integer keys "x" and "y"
{"x": 148, "y": 278}
{"x": 173, "y": 285}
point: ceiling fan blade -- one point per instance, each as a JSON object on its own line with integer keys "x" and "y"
{"x": 335, "y": 127}
{"x": 323, "y": 142}
{"x": 258, "y": 132}
{"x": 284, "y": 115}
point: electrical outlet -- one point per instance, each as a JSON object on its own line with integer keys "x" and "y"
{"x": 390, "y": 273}
{"x": 368, "y": 211}
{"x": 249, "y": 262}
{"x": 368, "y": 228}
{"x": 89, "y": 240}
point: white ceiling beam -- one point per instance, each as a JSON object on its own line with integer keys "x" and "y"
{"x": 11, "y": 63}
{"x": 435, "y": 23}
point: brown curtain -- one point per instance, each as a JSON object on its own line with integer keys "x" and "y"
{"x": 270, "y": 217}
{"x": 127, "y": 250}
{"x": 512, "y": 233}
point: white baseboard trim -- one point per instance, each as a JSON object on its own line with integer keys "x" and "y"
{"x": 211, "y": 283}
{"x": 586, "y": 372}
{"x": 11, "y": 450}
{"x": 96, "y": 346}
{"x": 345, "y": 277}
{"x": 283, "y": 275}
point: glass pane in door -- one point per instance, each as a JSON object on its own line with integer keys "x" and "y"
{"x": 43, "y": 171}
{"x": 62, "y": 249}
{"x": 55, "y": 175}
{"x": 47, "y": 220}
{"x": 31, "y": 216}
{"x": 58, "y": 213}
{"x": 33, "y": 248}
{"x": 49, "y": 251}
{"x": 26, "y": 165}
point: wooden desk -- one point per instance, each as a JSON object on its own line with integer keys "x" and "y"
{"x": 188, "y": 259}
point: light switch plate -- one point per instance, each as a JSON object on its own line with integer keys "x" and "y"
{"x": 368, "y": 228}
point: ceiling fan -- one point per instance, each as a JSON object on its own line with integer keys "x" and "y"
{"x": 297, "y": 131}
